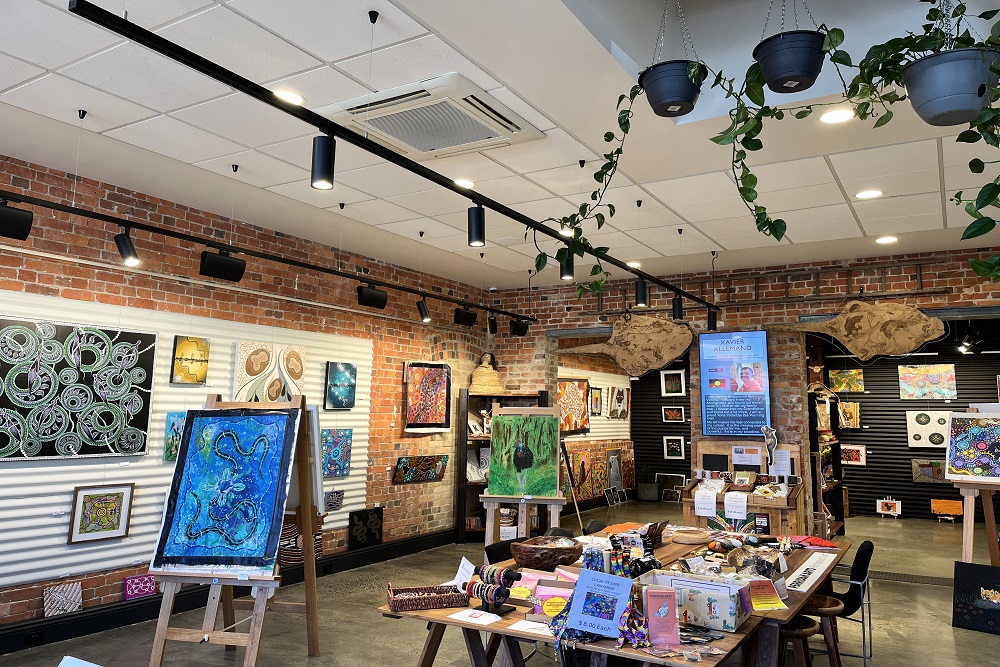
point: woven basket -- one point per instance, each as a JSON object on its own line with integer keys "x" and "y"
{"x": 424, "y": 597}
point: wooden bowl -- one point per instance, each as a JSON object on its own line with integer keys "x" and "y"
{"x": 546, "y": 552}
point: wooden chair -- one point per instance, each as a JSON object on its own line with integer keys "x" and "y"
{"x": 797, "y": 631}
{"x": 827, "y": 609}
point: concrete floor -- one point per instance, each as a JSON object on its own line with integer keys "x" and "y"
{"x": 912, "y": 621}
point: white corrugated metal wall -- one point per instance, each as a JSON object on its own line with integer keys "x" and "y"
{"x": 36, "y": 496}
{"x": 601, "y": 428}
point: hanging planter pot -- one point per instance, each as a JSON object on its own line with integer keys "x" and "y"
{"x": 950, "y": 87}
{"x": 791, "y": 61}
{"x": 669, "y": 88}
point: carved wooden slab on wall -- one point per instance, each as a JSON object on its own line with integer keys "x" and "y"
{"x": 641, "y": 343}
{"x": 872, "y": 329}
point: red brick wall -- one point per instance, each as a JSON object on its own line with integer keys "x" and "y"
{"x": 75, "y": 258}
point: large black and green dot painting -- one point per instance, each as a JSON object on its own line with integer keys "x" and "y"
{"x": 73, "y": 390}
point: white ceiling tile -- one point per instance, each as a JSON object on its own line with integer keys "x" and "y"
{"x": 912, "y": 223}
{"x": 897, "y": 159}
{"x": 713, "y": 209}
{"x": 623, "y": 198}
{"x": 958, "y": 153}
{"x": 239, "y": 45}
{"x": 538, "y": 210}
{"x": 414, "y": 60}
{"x": 501, "y": 258}
{"x": 831, "y": 232}
{"x": 384, "y": 180}
{"x": 823, "y": 223}
{"x": 522, "y": 108}
{"x": 411, "y": 229}
{"x": 793, "y": 174}
{"x": 433, "y": 202}
{"x": 912, "y": 183}
{"x": 45, "y": 36}
{"x": 809, "y": 196}
{"x": 898, "y": 207}
{"x": 747, "y": 241}
{"x": 375, "y": 212}
{"x": 650, "y": 215}
{"x": 14, "y": 71}
{"x": 472, "y": 166}
{"x": 573, "y": 180}
{"x": 320, "y": 87}
{"x": 452, "y": 242}
{"x": 299, "y": 152}
{"x": 512, "y": 190}
{"x": 244, "y": 120}
{"x": 146, "y": 14}
{"x": 331, "y": 199}
{"x": 557, "y": 149}
{"x": 691, "y": 188}
{"x": 528, "y": 249}
{"x": 960, "y": 178}
{"x": 146, "y": 78}
{"x": 61, "y": 98}
{"x": 255, "y": 169}
{"x": 737, "y": 233}
{"x": 669, "y": 243}
{"x": 168, "y": 136}
{"x": 311, "y": 24}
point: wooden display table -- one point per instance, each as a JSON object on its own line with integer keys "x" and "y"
{"x": 524, "y": 505}
{"x": 787, "y": 515}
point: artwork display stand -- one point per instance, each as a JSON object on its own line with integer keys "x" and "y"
{"x": 969, "y": 491}
{"x": 221, "y": 586}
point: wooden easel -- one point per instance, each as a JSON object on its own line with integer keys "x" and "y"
{"x": 308, "y": 521}
{"x": 969, "y": 491}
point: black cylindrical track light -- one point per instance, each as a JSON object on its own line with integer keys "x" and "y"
{"x": 677, "y": 307}
{"x": 222, "y": 266}
{"x": 477, "y": 226}
{"x": 566, "y": 267}
{"x": 127, "y": 249}
{"x": 465, "y": 317}
{"x": 369, "y": 296}
{"x": 324, "y": 152}
{"x": 641, "y": 298}
{"x": 491, "y": 322}
{"x": 15, "y": 223}
{"x": 519, "y": 327}
{"x": 425, "y": 316}
{"x": 713, "y": 319}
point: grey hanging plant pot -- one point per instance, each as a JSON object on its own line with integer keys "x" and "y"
{"x": 669, "y": 87}
{"x": 950, "y": 87}
{"x": 791, "y": 61}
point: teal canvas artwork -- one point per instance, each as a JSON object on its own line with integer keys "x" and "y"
{"x": 173, "y": 430}
{"x": 336, "y": 445}
{"x": 524, "y": 457}
{"x": 227, "y": 497}
{"x": 341, "y": 382}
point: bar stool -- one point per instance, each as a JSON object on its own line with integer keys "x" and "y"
{"x": 798, "y": 631}
{"x": 827, "y": 609}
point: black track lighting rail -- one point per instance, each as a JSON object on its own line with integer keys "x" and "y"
{"x": 225, "y": 247}
{"x": 164, "y": 47}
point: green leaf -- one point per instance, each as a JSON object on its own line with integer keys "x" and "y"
{"x": 750, "y": 180}
{"x": 561, "y": 254}
{"x": 611, "y": 210}
{"x": 603, "y": 250}
{"x": 958, "y": 197}
{"x": 778, "y": 229}
{"x": 755, "y": 92}
{"x": 885, "y": 118}
{"x": 990, "y": 138}
{"x": 599, "y": 176}
{"x": 968, "y": 137}
{"x": 621, "y": 98}
{"x": 834, "y": 38}
{"x": 595, "y": 269}
{"x": 740, "y": 156}
{"x": 982, "y": 268}
{"x": 803, "y": 113}
{"x": 748, "y": 194}
{"x": 778, "y": 114}
{"x": 978, "y": 227}
{"x": 990, "y": 14}
{"x": 583, "y": 209}
{"x": 595, "y": 286}
{"x": 970, "y": 208}
{"x": 752, "y": 144}
{"x": 540, "y": 261}
{"x": 724, "y": 139}
{"x": 600, "y": 220}
{"x": 623, "y": 121}
{"x": 987, "y": 194}
{"x": 609, "y": 136}
{"x": 694, "y": 72}
{"x": 976, "y": 166}
{"x": 841, "y": 58}
{"x": 634, "y": 92}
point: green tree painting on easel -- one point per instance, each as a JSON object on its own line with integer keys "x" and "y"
{"x": 525, "y": 456}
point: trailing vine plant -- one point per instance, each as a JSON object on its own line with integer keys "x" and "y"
{"x": 595, "y": 209}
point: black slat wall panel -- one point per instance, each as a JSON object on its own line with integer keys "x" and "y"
{"x": 648, "y": 428}
{"x": 883, "y": 421}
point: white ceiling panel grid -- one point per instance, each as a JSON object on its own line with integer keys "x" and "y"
{"x": 376, "y": 212}
{"x": 512, "y": 190}
{"x": 41, "y": 34}
{"x": 14, "y": 71}
{"x": 299, "y": 152}
{"x": 148, "y": 14}
{"x": 896, "y": 159}
{"x": 244, "y": 120}
{"x": 557, "y": 149}
{"x": 304, "y": 192}
{"x": 320, "y": 87}
{"x": 438, "y": 201}
{"x": 255, "y": 168}
{"x": 169, "y": 136}
{"x": 60, "y": 98}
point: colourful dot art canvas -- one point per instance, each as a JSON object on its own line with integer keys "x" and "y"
{"x": 336, "y": 444}
{"x": 974, "y": 450}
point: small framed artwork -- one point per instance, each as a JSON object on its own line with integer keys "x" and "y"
{"x": 610, "y": 496}
{"x": 672, "y": 414}
{"x": 100, "y": 512}
{"x": 854, "y": 455}
{"x": 673, "y": 447}
{"x": 889, "y": 506}
{"x": 672, "y": 383}
{"x": 671, "y": 495}
{"x": 597, "y": 401}
{"x": 622, "y": 495}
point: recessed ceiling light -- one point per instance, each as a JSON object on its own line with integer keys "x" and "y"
{"x": 886, "y": 239}
{"x": 837, "y": 116}
{"x": 566, "y": 231}
{"x": 633, "y": 265}
{"x": 465, "y": 183}
{"x": 869, "y": 194}
{"x": 290, "y": 97}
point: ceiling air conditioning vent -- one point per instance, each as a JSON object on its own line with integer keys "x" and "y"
{"x": 444, "y": 115}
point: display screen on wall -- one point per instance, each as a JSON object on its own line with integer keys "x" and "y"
{"x": 734, "y": 383}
